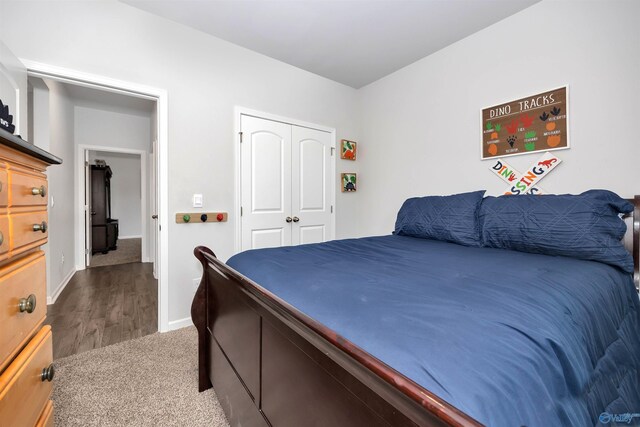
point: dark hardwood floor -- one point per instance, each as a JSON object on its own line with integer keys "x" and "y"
{"x": 102, "y": 306}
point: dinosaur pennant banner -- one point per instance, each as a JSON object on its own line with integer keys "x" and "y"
{"x": 526, "y": 183}
{"x": 510, "y": 175}
{"x": 535, "y": 123}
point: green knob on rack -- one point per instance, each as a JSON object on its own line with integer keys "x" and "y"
{"x": 186, "y": 218}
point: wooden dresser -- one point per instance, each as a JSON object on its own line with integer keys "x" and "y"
{"x": 26, "y": 355}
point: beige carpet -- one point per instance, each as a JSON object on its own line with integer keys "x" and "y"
{"x": 129, "y": 250}
{"x": 149, "y": 381}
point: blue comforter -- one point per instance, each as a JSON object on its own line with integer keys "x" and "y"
{"x": 510, "y": 338}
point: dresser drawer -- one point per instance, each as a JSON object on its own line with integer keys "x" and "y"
{"x": 5, "y": 235}
{"x": 23, "y": 392}
{"x": 46, "y": 418}
{"x": 18, "y": 281}
{"x": 27, "y": 190}
{"x": 4, "y": 188}
{"x": 23, "y": 234}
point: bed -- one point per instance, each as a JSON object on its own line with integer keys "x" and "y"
{"x": 398, "y": 330}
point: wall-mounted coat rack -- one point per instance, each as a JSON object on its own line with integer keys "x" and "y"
{"x": 200, "y": 217}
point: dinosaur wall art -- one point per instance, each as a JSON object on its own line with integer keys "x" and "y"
{"x": 526, "y": 125}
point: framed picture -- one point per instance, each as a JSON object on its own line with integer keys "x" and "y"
{"x": 348, "y": 150}
{"x": 538, "y": 122}
{"x": 348, "y": 181}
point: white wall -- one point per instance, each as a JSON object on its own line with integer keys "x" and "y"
{"x": 205, "y": 78}
{"x": 54, "y": 131}
{"x": 106, "y": 128}
{"x": 421, "y": 125}
{"x": 126, "y": 191}
{"x": 39, "y": 130}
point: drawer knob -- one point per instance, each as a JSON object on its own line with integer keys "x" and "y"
{"x": 48, "y": 373}
{"x": 27, "y": 304}
{"x": 41, "y": 191}
{"x": 40, "y": 227}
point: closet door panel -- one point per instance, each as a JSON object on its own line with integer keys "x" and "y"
{"x": 267, "y": 170}
{"x": 266, "y": 183}
{"x": 311, "y": 185}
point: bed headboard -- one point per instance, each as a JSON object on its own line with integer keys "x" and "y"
{"x": 632, "y": 238}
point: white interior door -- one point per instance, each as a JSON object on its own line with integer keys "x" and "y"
{"x": 265, "y": 183}
{"x": 311, "y": 186}
{"x": 153, "y": 202}
{"x": 88, "y": 209}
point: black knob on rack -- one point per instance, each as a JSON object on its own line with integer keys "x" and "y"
{"x": 203, "y": 217}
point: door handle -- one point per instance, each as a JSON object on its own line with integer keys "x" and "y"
{"x": 288, "y": 219}
{"x": 154, "y": 216}
{"x": 296, "y": 219}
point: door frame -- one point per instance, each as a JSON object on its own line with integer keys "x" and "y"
{"x": 243, "y": 111}
{"x": 80, "y": 206}
{"x": 160, "y": 96}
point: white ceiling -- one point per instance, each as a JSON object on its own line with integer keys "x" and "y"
{"x": 354, "y": 42}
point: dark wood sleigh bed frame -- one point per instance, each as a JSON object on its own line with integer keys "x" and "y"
{"x": 271, "y": 365}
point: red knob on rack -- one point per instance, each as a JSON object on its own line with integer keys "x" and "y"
{"x": 219, "y": 217}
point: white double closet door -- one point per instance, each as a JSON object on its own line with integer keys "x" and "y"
{"x": 286, "y": 184}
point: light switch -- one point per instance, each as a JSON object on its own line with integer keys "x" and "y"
{"x": 197, "y": 200}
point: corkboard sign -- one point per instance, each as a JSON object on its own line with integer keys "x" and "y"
{"x": 535, "y": 123}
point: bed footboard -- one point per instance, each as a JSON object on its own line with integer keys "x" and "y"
{"x": 271, "y": 365}
{"x": 199, "y": 318}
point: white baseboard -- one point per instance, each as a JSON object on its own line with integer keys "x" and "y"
{"x": 180, "y": 323}
{"x": 129, "y": 237}
{"x": 63, "y": 284}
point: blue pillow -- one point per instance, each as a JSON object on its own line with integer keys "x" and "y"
{"x": 586, "y": 226}
{"x": 447, "y": 218}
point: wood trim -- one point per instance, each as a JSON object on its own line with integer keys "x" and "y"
{"x": 27, "y": 150}
{"x": 196, "y": 217}
{"x": 199, "y": 317}
{"x": 46, "y": 417}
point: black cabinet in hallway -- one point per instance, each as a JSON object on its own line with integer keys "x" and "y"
{"x": 104, "y": 229}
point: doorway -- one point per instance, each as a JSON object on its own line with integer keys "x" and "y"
{"x": 116, "y": 227}
{"x": 119, "y": 295}
{"x": 158, "y": 159}
{"x": 159, "y": 173}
